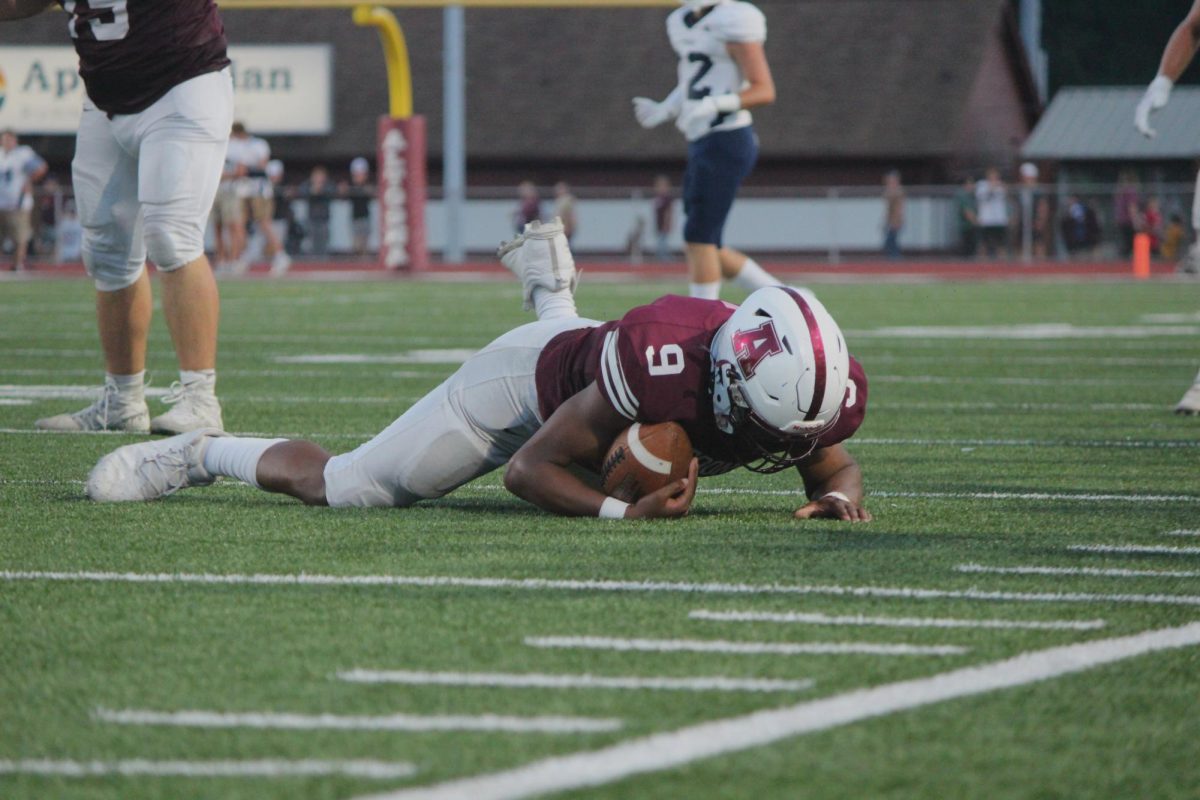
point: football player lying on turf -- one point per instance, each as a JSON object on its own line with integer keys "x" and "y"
{"x": 766, "y": 386}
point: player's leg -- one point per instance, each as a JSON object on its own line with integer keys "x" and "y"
{"x": 181, "y": 151}
{"x": 717, "y": 165}
{"x": 470, "y": 425}
{"x": 541, "y": 259}
{"x": 24, "y": 232}
{"x": 105, "y": 180}
{"x": 1190, "y": 402}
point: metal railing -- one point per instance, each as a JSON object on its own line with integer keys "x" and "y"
{"x": 1094, "y": 221}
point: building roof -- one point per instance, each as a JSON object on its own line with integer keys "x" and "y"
{"x": 1096, "y": 124}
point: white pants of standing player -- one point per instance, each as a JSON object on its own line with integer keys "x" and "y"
{"x": 470, "y": 425}
{"x": 145, "y": 182}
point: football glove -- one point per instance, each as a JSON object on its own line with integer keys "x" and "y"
{"x": 651, "y": 113}
{"x": 1156, "y": 97}
{"x": 697, "y": 116}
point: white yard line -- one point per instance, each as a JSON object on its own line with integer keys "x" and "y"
{"x": 1135, "y": 549}
{"x": 1182, "y": 532}
{"x": 1098, "y": 572}
{"x": 896, "y": 622}
{"x": 879, "y": 494}
{"x": 741, "y": 648}
{"x": 1166, "y": 444}
{"x": 389, "y": 722}
{"x": 663, "y": 751}
{"x": 558, "y": 584}
{"x": 271, "y": 768}
{"x": 539, "y": 681}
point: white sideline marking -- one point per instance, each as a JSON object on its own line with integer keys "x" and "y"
{"x": 13, "y": 402}
{"x": 881, "y": 494}
{"x": 20, "y": 391}
{"x": 377, "y": 770}
{"x": 1047, "y": 330}
{"x": 1135, "y": 549}
{"x": 389, "y": 722}
{"x": 1166, "y": 444}
{"x": 536, "y": 681}
{"x": 541, "y": 584}
{"x": 734, "y": 734}
{"x": 453, "y": 356}
{"x": 1089, "y": 571}
{"x": 896, "y": 622}
{"x": 1181, "y": 532}
{"x": 742, "y": 648}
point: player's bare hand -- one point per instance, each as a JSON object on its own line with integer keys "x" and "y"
{"x": 829, "y": 507}
{"x": 673, "y": 500}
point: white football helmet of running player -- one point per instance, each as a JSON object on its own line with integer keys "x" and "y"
{"x": 780, "y": 370}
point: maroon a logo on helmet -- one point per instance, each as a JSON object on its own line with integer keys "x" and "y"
{"x": 752, "y": 346}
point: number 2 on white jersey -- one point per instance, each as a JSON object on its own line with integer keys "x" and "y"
{"x": 670, "y": 360}
{"x": 110, "y": 26}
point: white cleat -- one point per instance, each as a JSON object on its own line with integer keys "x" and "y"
{"x": 109, "y": 413}
{"x": 540, "y": 256}
{"x": 280, "y": 264}
{"x": 195, "y": 407}
{"x": 150, "y": 470}
{"x": 1190, "y": 403}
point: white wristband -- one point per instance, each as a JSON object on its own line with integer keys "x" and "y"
{"x": 837, "y": 495}
{"x": 728, "y": 103}
{"x": 612, "y": 508}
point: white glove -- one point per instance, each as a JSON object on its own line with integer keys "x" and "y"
{"x": 651, "y": 113}
{"x": 697, "y": 116}
{"x": 1155, "y": 98}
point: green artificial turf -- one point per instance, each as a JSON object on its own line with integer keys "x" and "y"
{"x": 978, "y": 448}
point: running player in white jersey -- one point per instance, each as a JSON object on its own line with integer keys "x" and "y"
{"x": 723, "y": 72}
{"x": 1180, "y": 50}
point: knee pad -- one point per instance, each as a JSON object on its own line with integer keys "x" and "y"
{"x": 109, "y": 262}
{"x": 171, "y": 240}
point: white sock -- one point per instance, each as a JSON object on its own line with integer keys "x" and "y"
{"x": 554, "y": 305}
{"x": 206, "y": 378}
{"x": 754, "y": 277}
{"x": 235, "y": 457}
{"x": 705, "y": 291}
{"x": 130, "y": 388}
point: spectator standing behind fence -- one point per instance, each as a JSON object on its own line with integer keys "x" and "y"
{"x": 359, "y": 192}
{"x": 893, "y": 218}
{"x": 45, "y": 219}
{"x": 564, "y": 209}
{"x": 1126, "y": 206}
{"x": 991, "y": 200}
{"x": 1080, "y": 227}
{"x": 317, "y": 192}
{"x": 965, "y": 211}
{"x": 664, "y": 217}
{"x": 1152, "y": 224}
{"x": 229, "y": 212}
{"x": 1174, "y": 238}
{"x": 1035, "y": 212}
{"x": 20, "y": 168}
{"x": 529, "y": 206}
{"x": 255, "y": 153}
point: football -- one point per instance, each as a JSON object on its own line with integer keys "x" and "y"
{"x": 645, "y": 458}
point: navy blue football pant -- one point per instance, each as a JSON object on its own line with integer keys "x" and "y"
{"x": 717, "y": 165}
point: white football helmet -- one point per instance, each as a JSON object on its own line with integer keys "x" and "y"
{"x": 780, "y": 370}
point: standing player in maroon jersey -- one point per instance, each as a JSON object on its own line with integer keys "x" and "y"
{"x": 148, "y": 156}
{"x": 768, "y": 385}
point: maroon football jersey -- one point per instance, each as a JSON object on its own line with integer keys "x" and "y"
{"x": 653, "y": 365}
{"x": 132, "y": 52}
